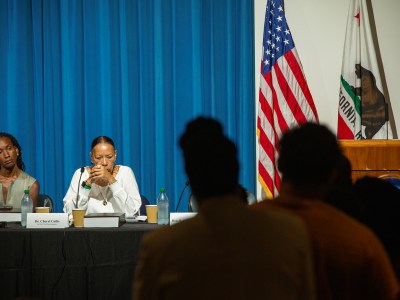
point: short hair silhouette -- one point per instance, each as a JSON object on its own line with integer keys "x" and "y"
{"x": 308, "y": 157}
{"x": 342, "y": 195}
{"x": 210, "y": 159}
{"x": 344, "y": 178}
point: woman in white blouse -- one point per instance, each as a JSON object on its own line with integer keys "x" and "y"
{"x": 104, "y": 187}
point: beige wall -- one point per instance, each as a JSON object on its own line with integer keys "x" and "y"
{"x": 318, "y": 28}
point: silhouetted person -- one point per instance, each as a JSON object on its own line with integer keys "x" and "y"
{"x": 341, "y": 194}
{"x": 227, "y": 251}
{"x": 381, "y": 202}
{"x": 247, "y": 197}
{"x": 350, "y": 261}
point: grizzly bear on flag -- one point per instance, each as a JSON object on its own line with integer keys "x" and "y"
{"x": 374, "y": 112}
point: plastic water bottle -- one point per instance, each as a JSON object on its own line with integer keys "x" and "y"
{"x": 162, "y": 207}
{"x": 26, "y": 207}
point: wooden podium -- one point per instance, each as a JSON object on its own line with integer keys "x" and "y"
{"x": 375, "y": 158}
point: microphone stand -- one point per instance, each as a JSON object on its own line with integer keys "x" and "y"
{"x": 79, "y": 185}
{"x": 180, "y": 197}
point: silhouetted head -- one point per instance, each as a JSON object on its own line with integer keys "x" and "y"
{"x": 344, "y": 179}
{"x": 210, "y": 159}
{"x": 308, "y": 158}
{"x": 341, "y": 194}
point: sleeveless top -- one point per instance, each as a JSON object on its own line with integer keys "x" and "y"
{"x": 16, "y": 190}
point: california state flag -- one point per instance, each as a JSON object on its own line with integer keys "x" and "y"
{"x": 363, "y": 111}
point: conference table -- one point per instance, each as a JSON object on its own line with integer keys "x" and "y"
{"x": 69, "y": 263}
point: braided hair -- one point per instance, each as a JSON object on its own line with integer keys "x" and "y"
{"x": 15, "y": 143}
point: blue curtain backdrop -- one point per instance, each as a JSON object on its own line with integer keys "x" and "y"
{"x": 134, "y": 70}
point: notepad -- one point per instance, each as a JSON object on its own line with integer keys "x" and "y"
{"x": 136, "y": 219}
{"x": 104, "y": 220}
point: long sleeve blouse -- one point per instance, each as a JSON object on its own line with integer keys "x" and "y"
{"x": 121, "y": 196}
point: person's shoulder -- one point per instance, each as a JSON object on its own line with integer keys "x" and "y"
{"x": 124, "y": 169}
{"x": 339, "y": 216}
{"x": 340, "y": 223}
{"x": 272, "y": 206}
{"x": 277, "y": 215}
{"x": 83, "y": 169}
{"x": 170, "y": 234}
{"x": 25, "y": 175}
{"x": 281, "y": 226}
{"x": 265, "y": 203}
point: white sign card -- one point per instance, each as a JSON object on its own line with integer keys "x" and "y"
{"x": 47, "y": 220}
{"x": 10, "y": 217}
{"x": 179, "y": 217}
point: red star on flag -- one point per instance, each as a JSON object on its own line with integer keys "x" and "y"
{"x": 357, "y": 16}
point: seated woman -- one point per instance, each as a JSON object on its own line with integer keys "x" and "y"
{"x": 13, "y": 179}
{"x": 103, "y": 187}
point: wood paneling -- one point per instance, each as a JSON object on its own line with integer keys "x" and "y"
{"x": 372, "y": 157}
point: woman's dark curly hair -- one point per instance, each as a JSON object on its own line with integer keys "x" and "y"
{"x": 15, "y": 143}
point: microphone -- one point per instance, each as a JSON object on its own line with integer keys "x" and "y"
{"x": 79, "y": 185}
{"x": 180, "y": 197}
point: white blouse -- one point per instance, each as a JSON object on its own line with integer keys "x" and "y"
{"x": 121, "y": 196}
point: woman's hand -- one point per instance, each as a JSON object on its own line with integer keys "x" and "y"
{"x": 101, "y": 176}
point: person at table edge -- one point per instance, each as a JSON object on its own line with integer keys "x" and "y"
{"x": 13, "y": 179}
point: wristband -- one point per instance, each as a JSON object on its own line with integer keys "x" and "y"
{"x": 85, "y": 186}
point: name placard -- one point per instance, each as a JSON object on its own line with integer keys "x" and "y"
{"x": 179, "y": 217}
{"x": 47, "y": 220}
{"x": 10, "y": 217}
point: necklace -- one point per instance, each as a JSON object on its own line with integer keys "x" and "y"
{"x": 11, "y": 178}
{"x": 105, "y": 200}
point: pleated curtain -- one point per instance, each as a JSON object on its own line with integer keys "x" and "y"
{"x": 134, "y": 70}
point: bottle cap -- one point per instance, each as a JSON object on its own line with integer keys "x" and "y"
{"x": 162, "y": 190}
{"x": 26, "y": 191}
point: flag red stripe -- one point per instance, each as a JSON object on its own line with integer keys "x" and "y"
{"x": 265, "y": 142}
{"x": 301, "y": 80}
{"x": 269, "y": 149}
{"x": 280, "y": 119}
{"x": 265, "y": 107}
{"x": 289, "y": 97}
{"x": 267, "y": 178}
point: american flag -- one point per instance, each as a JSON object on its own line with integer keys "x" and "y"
{"x": 284, "y": 98}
